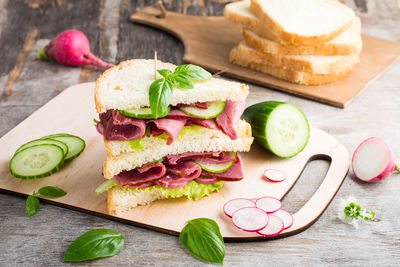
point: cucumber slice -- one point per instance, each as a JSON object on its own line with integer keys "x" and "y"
{"x": 37, "y": 161}
{"x": 141, "y": 113}
{"x": 44, "y": 141}
{"x": 75, "y": 144}
{"x": 280, "y": 127}
{"x": 217, "y": 168}
{"x": 214, "y": 109}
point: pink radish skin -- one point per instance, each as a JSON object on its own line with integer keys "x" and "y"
{"x": 72, "y": 48}
{"x": 285, "y": 216}
{"x": 373, "y": 160}
{"x": 274, "y": 227}
{"x": 234, "y": 205}
{"x": 274, "y": 175}
{"x": 268, "y": 204}
{"x": 250, "y": 219}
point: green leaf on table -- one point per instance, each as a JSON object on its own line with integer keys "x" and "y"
{"x": 52, "y": 192}
{"x": 202, "y": 238}
{"x": 160, "y": 94}
{"x": 193, "y": 72}
{"x": 98, "y": 243}
{"x": 32, "y": 205}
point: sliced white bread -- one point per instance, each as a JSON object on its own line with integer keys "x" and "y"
{"x": 349, "y": 42}
{"x": 305, "y": 63}
{"x": 303, "y": 22}
{"x": 293, "y": 76}
{"x": 127, "y": 85}
{"x": 122, "y": 157}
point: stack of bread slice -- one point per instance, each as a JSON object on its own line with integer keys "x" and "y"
{"x": 309, "y": 42}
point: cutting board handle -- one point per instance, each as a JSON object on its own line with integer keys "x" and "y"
{"x": 317, "y": 204}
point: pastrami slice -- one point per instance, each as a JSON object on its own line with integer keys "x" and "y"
{"x": 230, "y": 116}
{"x": 146, "y": 174}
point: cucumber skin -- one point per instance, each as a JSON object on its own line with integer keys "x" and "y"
{"x": 258, "y": 114}
{"x": 55, "y": 169}
{"x": 54, "y": 136}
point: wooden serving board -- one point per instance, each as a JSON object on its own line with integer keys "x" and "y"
{"x": 208, "y": 41}
{"x": 73, "y": 111}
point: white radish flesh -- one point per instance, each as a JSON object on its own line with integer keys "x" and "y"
{"x": 233, "y": 205}
{"x": 285, "y": 216}
{"x": 250, "y": 219}
{"x": 373, "y": 160}
{"x": 268, "y": 204}
{"x": 274, "y": 175}
{"x": 274, "y": 227}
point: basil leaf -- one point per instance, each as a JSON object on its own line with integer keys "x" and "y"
{"x": 160, "y": 94}
{"x": 32, "y": 205}
{"x": 193, "y": 72}
{"x": 202, "y": 238}
{"x": 165, "y": 73}
{"x": 98, "y": 243}
{"x": 52, "y": 192}
{"x": 182, "y": 82}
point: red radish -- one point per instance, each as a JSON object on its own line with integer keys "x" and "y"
{"x": 233, "y": 205}
{"x": 253, "y": 199}
{"x": 274, "y": 227}
{"x": 72, "y": 48}
{"x": 100, "y": 128}
{"x": 274, "y": 175}
{"x": 285, "y": 216}
{"x": 373, "y": 160}
{"x": 250, "y": 219}
{"x": 268, "y": 204}
{"x": 206, "y": 181}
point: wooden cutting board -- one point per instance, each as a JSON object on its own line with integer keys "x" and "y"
{"x": 73, "y": 111}
{"x": 208, "y": 41}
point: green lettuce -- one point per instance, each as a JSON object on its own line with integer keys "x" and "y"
{"x": 192, "y": 190}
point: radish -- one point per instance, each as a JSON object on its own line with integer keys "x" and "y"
{"x": 373, "y": 160}
{"x": 286, "y": 217}
{"x": 274, "y": 175}
{"x": 268, "y": 204}
{"x": 71, "y": 48}
{"x": 274, "y": 227}
{"x": 233, "y": 205}
{"x": 250, "y": 219}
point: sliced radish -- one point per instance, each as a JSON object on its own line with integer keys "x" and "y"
{"x": 274, "y": 175}
{"x": 268, "y": 204}
{"x": 206, "y": 180}
{"x": 285, "y": 216}
{"x": 274, "y": 227}
{"x": 373, "y": 160}
{"x": 250, "y": 219}
{"x": 253, "y": 199}
{"x": 233, "y": 205}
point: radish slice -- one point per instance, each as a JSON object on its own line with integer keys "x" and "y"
{"x": 206, "y": 181}
{"x": 253, "y": 199}
{"x": 285, "y": 216}
{"x": 274, "y": 227}
{"x": 274, "y": 175}
{"x": 100, "y": 128}
{"x": 250, "y": 219}
{"x": 268, "y": 204}
{"x": 373, "y": 160}
{"x": 234, "y": 205}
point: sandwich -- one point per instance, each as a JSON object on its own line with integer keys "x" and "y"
{"x": 169, "y": 131}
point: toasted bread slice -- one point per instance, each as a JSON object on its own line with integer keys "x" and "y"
{"x": 290, "y": 75}
{"x": 122, "y": 157}
{"x": 304, "y": 63}
{"x": 126, "y": 86}
{"x": 347, "y": 43}
{"x": 303, "y": 22}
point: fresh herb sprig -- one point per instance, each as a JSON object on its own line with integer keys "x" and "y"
{"x": 160, "y": 92}
{"x": 32, "y": 202}
{"x": 202, "y": 238}
{"x": 97, "y": 243}
{"x": 354, "y": 211}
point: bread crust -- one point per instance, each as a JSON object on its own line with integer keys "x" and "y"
{"x": 293, "y": 76}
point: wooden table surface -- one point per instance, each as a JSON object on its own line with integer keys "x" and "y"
{"x": 26, "y": 84}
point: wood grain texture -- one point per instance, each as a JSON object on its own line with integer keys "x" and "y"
{"x": 204, "y": 47}
{"x": 43, "y": 239}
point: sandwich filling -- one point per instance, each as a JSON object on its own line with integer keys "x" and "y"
{"x": 120, "y": 127}
{"x": 175, "y": 171}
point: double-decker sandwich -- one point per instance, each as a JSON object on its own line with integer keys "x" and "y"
{"x": 169, "y": 132}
